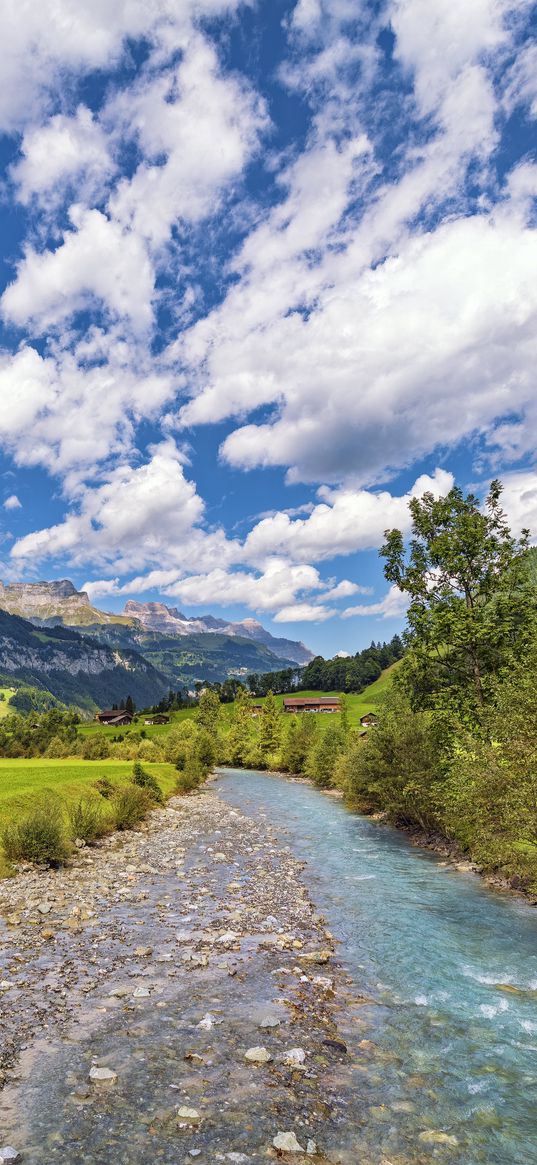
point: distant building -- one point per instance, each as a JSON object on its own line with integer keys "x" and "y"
{"x": 114, "y": 717}
{"x": 368, "y": 719}
{"x": 256, "y": 709}
{"x": 312, "y": 704}
{"x": 159, "y": 718}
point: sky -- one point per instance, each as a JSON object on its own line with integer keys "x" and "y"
{"x": 267, "y": 270}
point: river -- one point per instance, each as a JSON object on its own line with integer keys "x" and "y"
{"x": 451, "y": 964}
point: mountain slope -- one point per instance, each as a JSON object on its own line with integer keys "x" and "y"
{"x": 76, "y": 669}
{"x": 187, "y": 658}
{"x": 171, "y": 621}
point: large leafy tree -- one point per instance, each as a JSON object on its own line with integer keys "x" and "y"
{"x": 471, "y": 611}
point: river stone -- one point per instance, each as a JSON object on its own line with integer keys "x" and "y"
{"x": 44, "y": 907}
{"x": 187, "y": 1115}
{"x": 141, "y": 993}
{"x": 287, "y": 1143}
{"x": 294, "y": 1058}
{"x": 269, "y": 1021}
{"x": 102, "y": 1075}
{"x": 432, "y": 1137}
{"x": 8, "y": 1153}
{"x": 311, "y": 1148}
{"x": 143, "y": 952}
{"x": 258, "y": 1056}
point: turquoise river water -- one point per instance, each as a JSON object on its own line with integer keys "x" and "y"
{"x": 451, "y": 964}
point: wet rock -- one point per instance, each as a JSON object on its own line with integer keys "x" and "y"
{"x": 336, "y": 1045}
{"x": 269, "y": 1021}
{"x": 287, "y": 1143}
{"x": 102, "y": 1075}
{"x": 433, "y": 1137}
{"x": 258, "y": 1056}
{"x": 189, "y": 1116}
{"x": 318, "y": 957}
{"x": 208, "y": 1022}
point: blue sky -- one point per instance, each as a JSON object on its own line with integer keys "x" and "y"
{"x": 267, "y": 270}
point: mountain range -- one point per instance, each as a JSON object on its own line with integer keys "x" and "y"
{"x": 158, "y": 646}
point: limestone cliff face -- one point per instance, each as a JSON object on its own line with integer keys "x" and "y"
{"x": 53, "y": 602}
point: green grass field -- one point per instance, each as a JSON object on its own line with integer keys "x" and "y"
{"x": 7, "y": 693}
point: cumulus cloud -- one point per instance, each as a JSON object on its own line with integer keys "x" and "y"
{"x": 304, "y": 613}
{"x": 130, "y": 520}
{"x": 68, "y": 412}
{"x": 64, "y": 150}
{"x": 12, "y": 503}
{"x": 519, "y": 499}
{"x": 97, "y": 260}
{"x": 346, "y": 521}
{"x": 394, "y": 605}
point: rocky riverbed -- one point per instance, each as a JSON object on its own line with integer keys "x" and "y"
{"x": 174, "y": 996}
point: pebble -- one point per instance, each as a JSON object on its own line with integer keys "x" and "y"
{"x": 258, "y": 1056}
{"x": 287, "y": 1143}
{"x": 143, "y": 952}
{"x": 311, "y": 1148}
{"x": 44, "y": 907}
{"x": 8, "y": 1153}
{"x": 141, "y": 993}
{"x": 269, "y": 1021}
{"x": 102, "y": 1075}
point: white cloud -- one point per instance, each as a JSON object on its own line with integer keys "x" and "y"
{"x": 196, "y": 129}
{"x": 346, "y": 521}
{"x": 12, "y": 503}
{"x": 304, "y": 613}
{"x": 521, "y": 88}
{"x": 277, "y": 587}
{"x": 68, "y": 417}
{"x": 62, "y": 150}
{"x": 137, "y": 516}
{"x": 97, "y": 261}
{"x": 393, "y": 606}
{"x": 43, "y": 45}
{"x": 375, "y": 376}
{"x": 519, "y": 499}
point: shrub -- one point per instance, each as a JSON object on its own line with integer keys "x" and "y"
{"x": 187, "y": 782}
{"x": 39, "y": 837}
{"x": 131, "y": 806}
{"x": 147, "y": 781}
{"x": 104, "y": 787}
{"x": 86, "y": 819}
{"x": 95, "y": 747}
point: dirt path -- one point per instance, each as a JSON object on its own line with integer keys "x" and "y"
{"x": 164, "y": 957}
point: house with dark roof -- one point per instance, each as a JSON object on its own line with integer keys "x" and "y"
{"x": 312, "y": 704}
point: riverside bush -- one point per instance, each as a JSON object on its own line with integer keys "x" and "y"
{"x": 147, "y": 781}
{"x": 87, "y": 820}
{"x": 131, "y": 806}
{"x": 39, "y": 837}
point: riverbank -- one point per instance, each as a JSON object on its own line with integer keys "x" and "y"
{"x": 160, "y": 959}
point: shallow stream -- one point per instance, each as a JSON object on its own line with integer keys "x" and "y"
{"x": 451, "y": 964}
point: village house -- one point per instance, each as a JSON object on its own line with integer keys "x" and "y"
{"x": 158, "y": 718}
{"x": 368, "y": 719}
{"x": 256, "y": 709}
{"x": 114, "y": 717}
{"x": 312, "y": 704}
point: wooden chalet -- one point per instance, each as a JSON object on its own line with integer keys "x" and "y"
{"x": 159, "y": 718}
{"x": 256, "y": 709}
{"x": 368, "y": 719}
{"x": 114, "y": 717}
{"x": 312, "y": 704}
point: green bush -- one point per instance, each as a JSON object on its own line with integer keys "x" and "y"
{"x": 147, "y": 781}
{"x": 39, "y": 837}
{"x": 131, "y": 805}
{"x": 104, "y": 787}
{"x": 87, "y": 820}
{"x": 187, "y": 781}
{"x": 95, "y": 747}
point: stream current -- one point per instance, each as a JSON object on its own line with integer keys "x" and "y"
{"x": 450, "y": 964}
